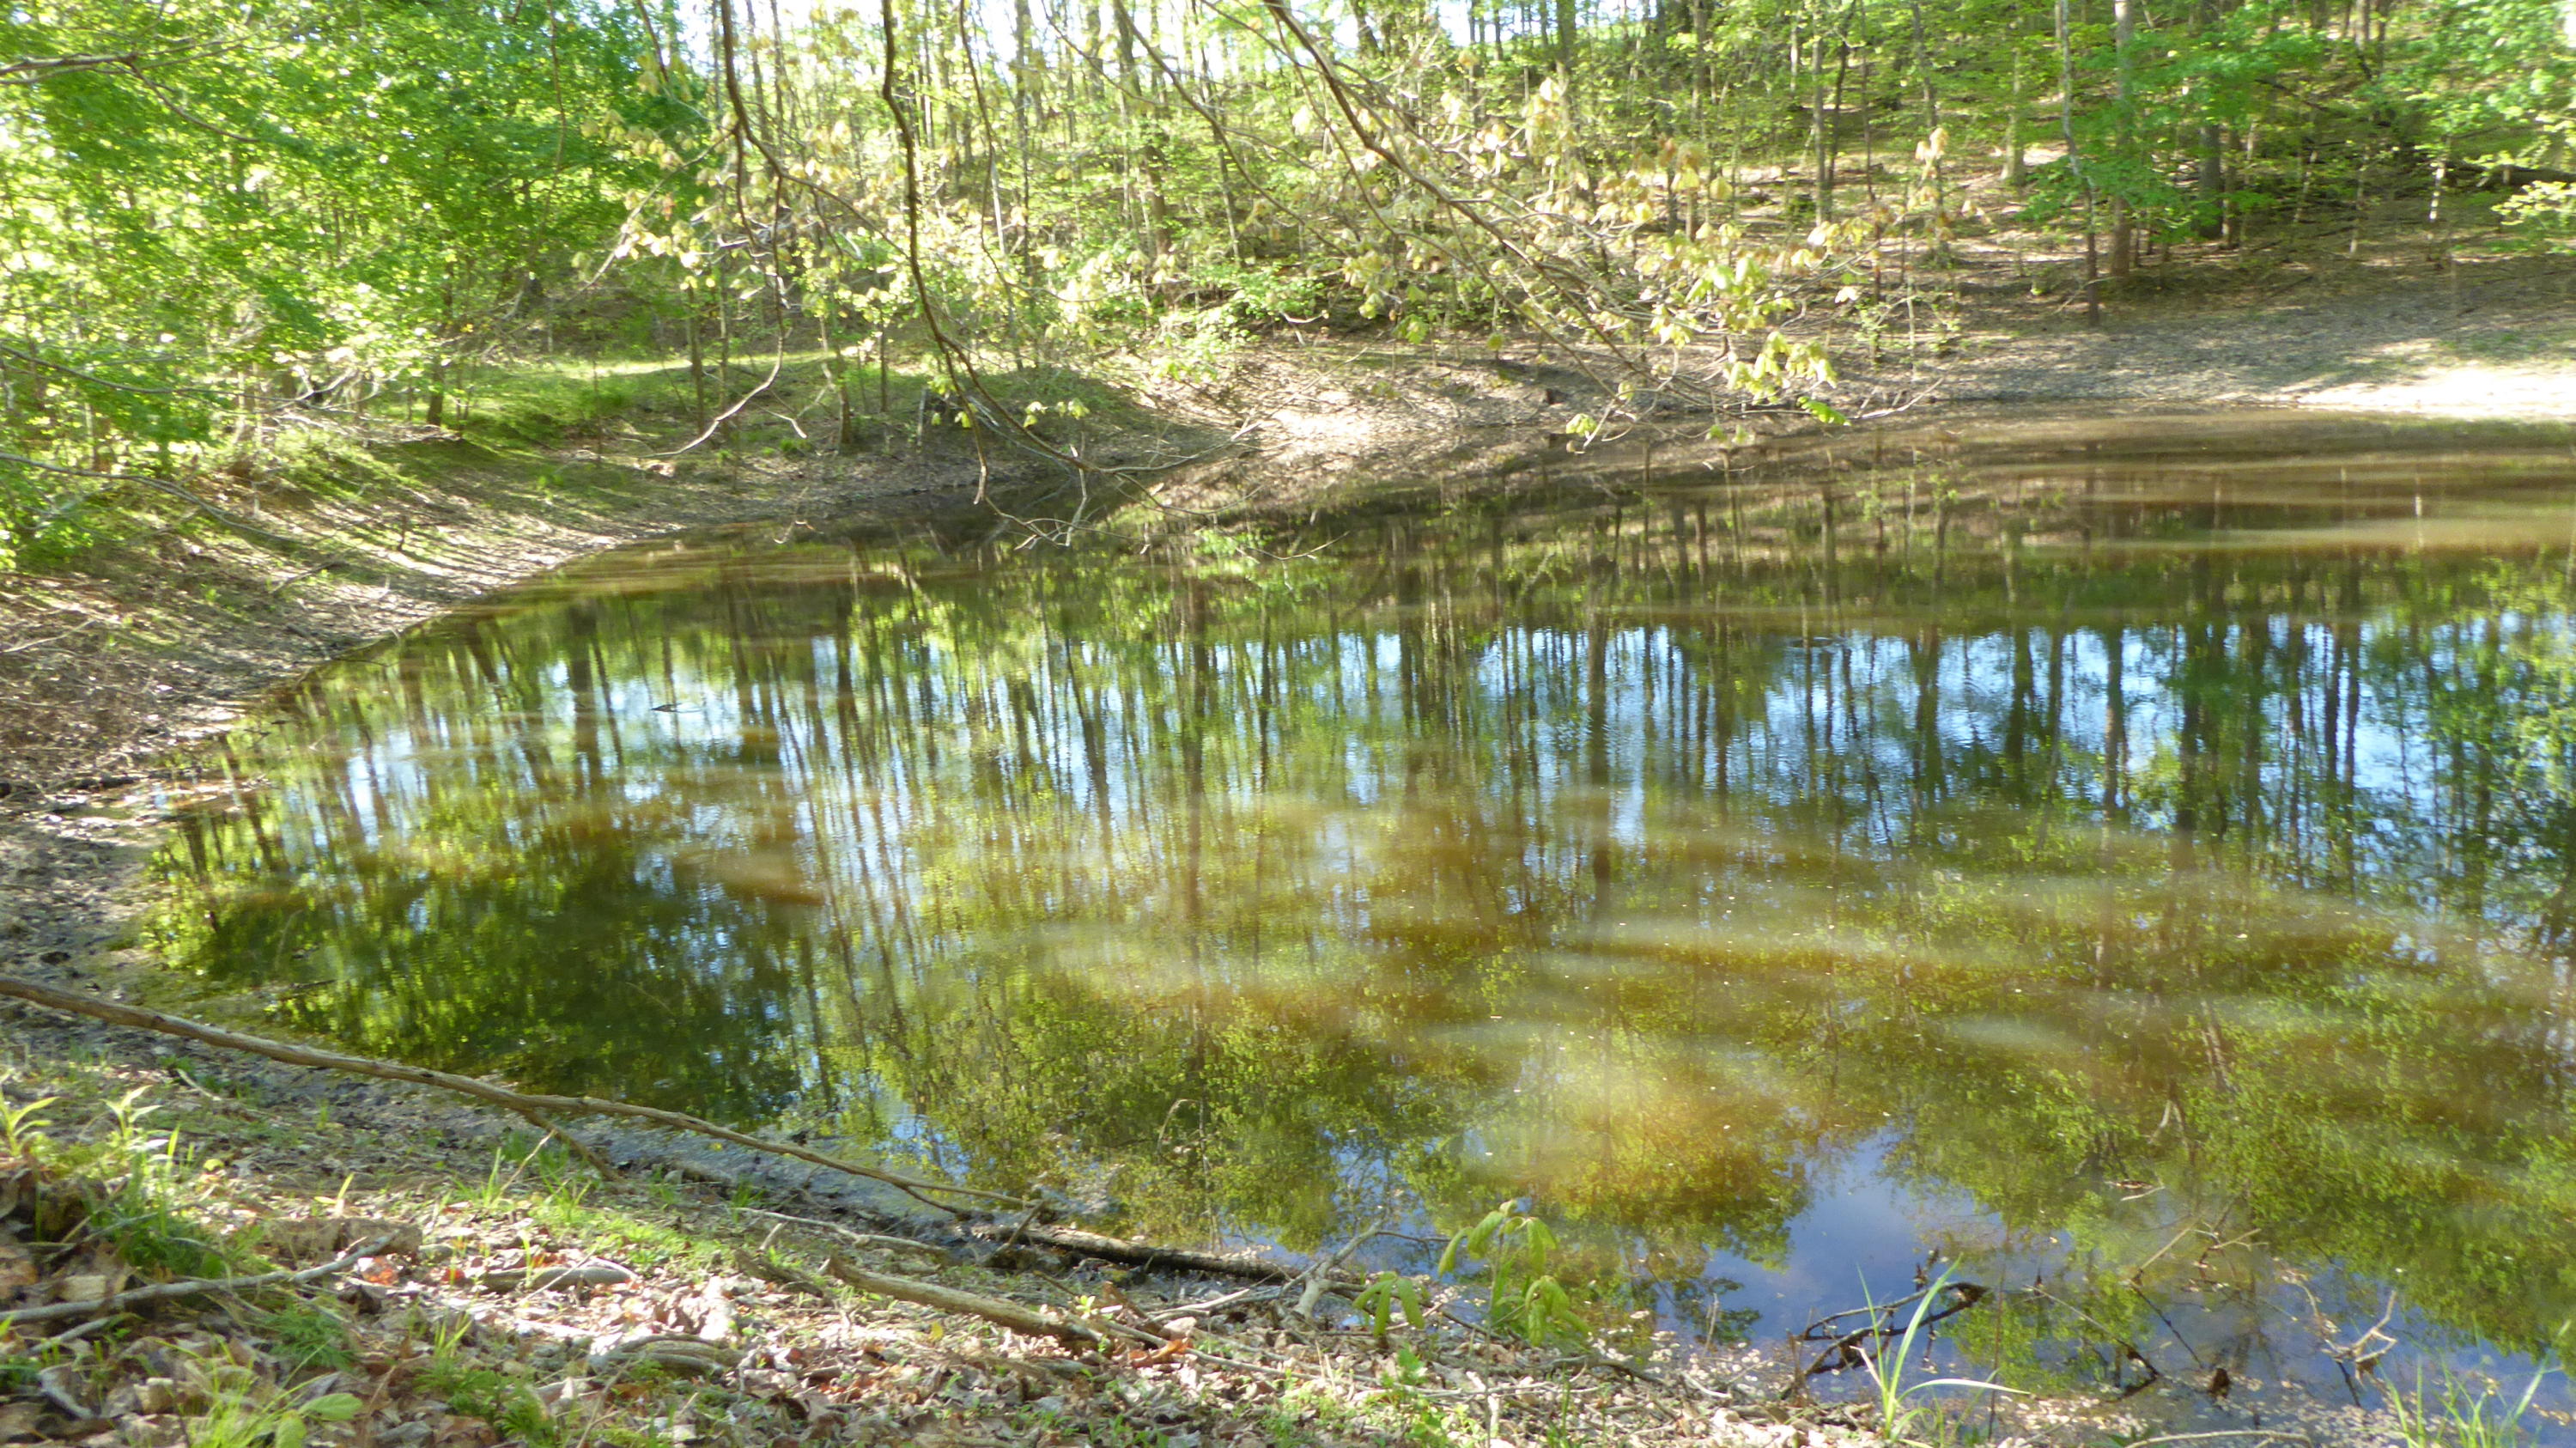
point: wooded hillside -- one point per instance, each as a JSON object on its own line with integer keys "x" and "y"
{"x": 217, "y": 220}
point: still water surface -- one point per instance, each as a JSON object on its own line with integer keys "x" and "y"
{"x": 2135, "y": 855}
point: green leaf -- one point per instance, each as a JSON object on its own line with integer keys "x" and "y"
{"x": 334, "y": 1407}
{"x": 1409, "y": 1292}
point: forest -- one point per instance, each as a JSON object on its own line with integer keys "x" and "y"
{"x": 1287, "y": 723}
{"x": 221, "y": 225}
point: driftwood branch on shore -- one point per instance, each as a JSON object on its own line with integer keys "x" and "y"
{"x": 190, "y": 1287}
{"x": 1133, "y": 1254}
{"x": 1028, "y": 1321}
{"x": 521, "y": 1102}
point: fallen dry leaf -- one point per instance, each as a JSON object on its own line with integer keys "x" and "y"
{"x": 85, "y": 1286}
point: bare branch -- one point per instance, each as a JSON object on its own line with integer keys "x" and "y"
{"x": 501, "y": 1096}
{"x": 1031, "y": 1321}
{"x": 42, "y": 68}
{"x": 191, "y": 1287}
{"x": 37, "y": 69}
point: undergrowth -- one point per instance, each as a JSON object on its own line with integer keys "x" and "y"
{"x": 125, "y": 1188}
{"x": 2457, "y": 1412}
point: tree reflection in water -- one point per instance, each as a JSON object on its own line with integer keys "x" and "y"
{"x": 2125, "y": 855}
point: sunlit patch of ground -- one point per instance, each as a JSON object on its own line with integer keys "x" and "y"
{"x": 2444, "y": 388}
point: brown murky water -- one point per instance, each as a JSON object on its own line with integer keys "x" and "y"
{"x": 2134, "y": 857}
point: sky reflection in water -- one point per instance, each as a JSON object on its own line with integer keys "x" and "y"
{"x": 2125, "y": 849}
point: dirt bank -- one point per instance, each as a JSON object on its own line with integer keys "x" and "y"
{"x": 2407, "y": 323}
{"x": 2395, "y": 331}
{"x": 158, "y": 635}
{"x": 165, "y": 633}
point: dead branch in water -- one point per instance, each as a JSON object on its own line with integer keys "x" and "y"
{"x": 523, "y": 1103}
{"x": 1883, "y": 1322}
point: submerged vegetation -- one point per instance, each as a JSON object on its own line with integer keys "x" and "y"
{"x": 1554, "y": 916}
{"x": 2157, "y": 893}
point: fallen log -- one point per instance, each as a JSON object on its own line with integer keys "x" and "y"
{"x": 521, "y": 1102}
{"x": 551, "y": 1278}
{"x": 1062, "y": 1238}
{"x": 854, "y": 1236}
{"x": 2510, "y": 177}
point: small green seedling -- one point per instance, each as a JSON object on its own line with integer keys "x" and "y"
{"x": 1527, "y": 1299}
{"x": 19, "y": 1126}
{"x": 1385, "y": 1294}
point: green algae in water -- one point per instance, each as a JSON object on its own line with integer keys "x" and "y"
{"x": 2106, "y": 853}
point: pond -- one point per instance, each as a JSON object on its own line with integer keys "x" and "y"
{"x": 2128, "y": 861}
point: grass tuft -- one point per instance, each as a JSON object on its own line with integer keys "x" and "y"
{"x": 2459, "y": 1413}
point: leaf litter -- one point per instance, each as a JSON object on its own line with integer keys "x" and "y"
{"x": 507, "y": 1296}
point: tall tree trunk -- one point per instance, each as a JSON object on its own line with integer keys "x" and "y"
{"x": 2016, "y": 165}
{"x": 1565, "y": 51}
{"x": 1940, "y": 248}
{"x": 697, "y": 369}
{"x": 1819, "y": 122}
{"x": 2074, "y": 159}
{"x": 2124, "y": 39}
{"x": 2210, "y": 179}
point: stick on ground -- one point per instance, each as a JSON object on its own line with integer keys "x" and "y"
{"x": 191, "y": 1287}
{"x": 1031, "y": 1321}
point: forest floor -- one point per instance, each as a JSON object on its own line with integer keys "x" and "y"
{"x": 696, "y": 1312}
{"x": 2398, "y": 327}
{"x": 2406, "y": 323}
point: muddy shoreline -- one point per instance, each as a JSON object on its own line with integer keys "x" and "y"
{"x": 1331, "y": 422}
